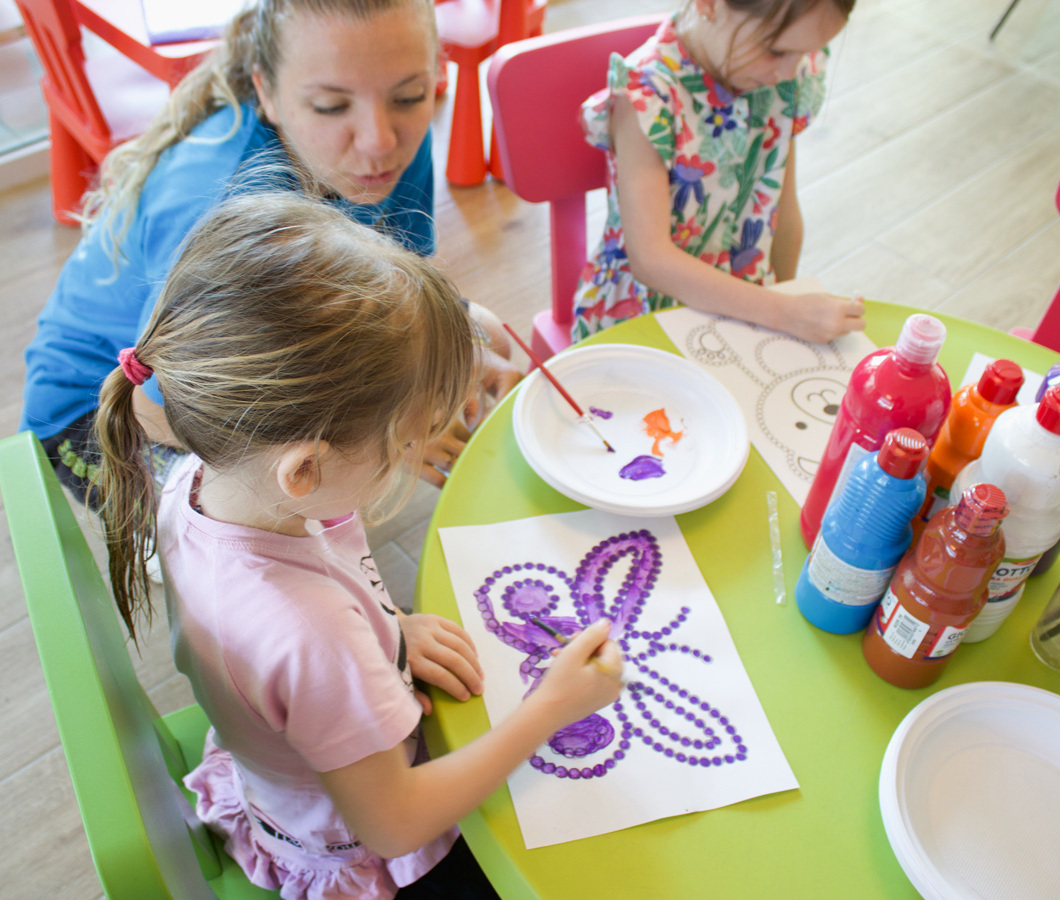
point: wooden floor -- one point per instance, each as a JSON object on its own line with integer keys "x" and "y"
{"x": 929, "y": 180}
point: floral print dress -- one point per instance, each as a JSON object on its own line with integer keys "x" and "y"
{"x": 726, "y": 154}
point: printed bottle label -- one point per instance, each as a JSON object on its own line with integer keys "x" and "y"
{"x": 947, "y": 641}
{"x": 1009, "y": 576}
{"x": 854, "y": 454}
{"x": 842, "y": 582}
{"x": 901, "y": 630}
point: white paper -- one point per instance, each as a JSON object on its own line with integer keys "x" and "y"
{"x": 1031, "y": 380}
{"x": 168, "y": 21}
{"x": 789, "y": 389}
{"x": 645, "y": 784}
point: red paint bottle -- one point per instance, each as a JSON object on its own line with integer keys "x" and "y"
{"x": 939, "y": 588}
{"x": 897, "y": 387}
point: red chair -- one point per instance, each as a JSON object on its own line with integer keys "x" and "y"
{"x": 470, "y": 33}
{"x": 93, "y": 104}
{"x": 1047, "y": 332}
{"x": 537, "y": 87}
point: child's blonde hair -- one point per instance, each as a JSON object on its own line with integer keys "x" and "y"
{"x": 283, "y": 321}
{"x": 252, "y": 41}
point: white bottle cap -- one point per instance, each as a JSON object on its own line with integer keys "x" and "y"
{"x": 921, "y": 339}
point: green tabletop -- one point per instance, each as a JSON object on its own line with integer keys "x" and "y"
{"x": 831, "y": 714}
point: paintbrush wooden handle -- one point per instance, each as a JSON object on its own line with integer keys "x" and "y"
{"x": 535, "y": 359}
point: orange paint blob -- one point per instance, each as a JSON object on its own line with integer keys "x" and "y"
{"x": 657, "y": 425}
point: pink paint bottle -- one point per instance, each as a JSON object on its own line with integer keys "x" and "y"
{"x": 896, "y": 387}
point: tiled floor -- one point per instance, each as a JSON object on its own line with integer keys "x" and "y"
{"x": 929, "y": 180}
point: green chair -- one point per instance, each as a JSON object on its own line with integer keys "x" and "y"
{"x": 125, "y": 760}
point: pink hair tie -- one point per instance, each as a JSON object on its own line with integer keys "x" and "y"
{"x": 134, "y": 370}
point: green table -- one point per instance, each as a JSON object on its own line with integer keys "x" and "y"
{"x": 831, "y": 714}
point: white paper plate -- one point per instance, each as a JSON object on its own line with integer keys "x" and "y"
{"x": 970, "y": 793}
{"x": 630, "y": 382}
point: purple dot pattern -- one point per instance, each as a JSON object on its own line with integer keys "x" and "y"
{"x": 653, "y": 702}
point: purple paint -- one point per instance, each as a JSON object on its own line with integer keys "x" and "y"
{"x": 643, "y": 467}
{"x": 659, "y": 712}
{"x": 602, "y": 413}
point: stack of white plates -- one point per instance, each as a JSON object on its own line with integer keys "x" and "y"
{"x": 970, "y": 793}
{"x": 624, "y": 383}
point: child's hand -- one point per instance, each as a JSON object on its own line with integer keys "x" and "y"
{"x": 584, "y": 676}
{"x": 441, "y": 653}
{"x": 495, "y": 377}
{"x": 819, "y": 318}
{"x": 442, "y": 452}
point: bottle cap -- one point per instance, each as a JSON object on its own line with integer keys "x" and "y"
{"x": 921, "y": 339}
{"x": 903, "y": 453}
{"x": 981, "y": 509}
{"x": 1048, "y": 414}
{"x": 1001, "y": 381}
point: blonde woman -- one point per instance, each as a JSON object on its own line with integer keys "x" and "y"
{"x": 340, "y": 90}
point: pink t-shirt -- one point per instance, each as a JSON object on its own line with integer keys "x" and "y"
{"x": 294, "y": 651}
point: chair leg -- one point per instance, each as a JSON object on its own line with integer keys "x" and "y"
{"x": 466, "y": 165}
{"x": 70, "y": 168}
{"x": 495, "y": 167}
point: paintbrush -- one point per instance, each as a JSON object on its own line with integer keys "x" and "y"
{"x": 559, "y": 387}
{"x": 564, "y": 640}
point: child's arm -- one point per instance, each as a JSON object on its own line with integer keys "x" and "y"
{"x": 441, "y": 653}
{"x": 787, "y": 240}
{"x": 643, "y": 186}
{"x": 395, "y": 808}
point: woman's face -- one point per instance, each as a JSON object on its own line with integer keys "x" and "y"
{"x": 353, "y": 98}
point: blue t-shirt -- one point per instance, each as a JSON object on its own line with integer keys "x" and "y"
{"x": 99, "y": 306}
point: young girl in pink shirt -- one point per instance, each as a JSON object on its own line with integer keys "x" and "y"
{"x": 304, "y": 361}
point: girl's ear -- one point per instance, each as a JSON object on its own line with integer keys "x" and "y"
{"x": 298, "y": 470}
{"x": 264, "y": 97}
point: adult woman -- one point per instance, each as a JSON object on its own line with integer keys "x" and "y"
{"x": 338, "y": 90}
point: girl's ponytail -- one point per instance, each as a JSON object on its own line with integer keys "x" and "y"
{"x": 127, "y": 497}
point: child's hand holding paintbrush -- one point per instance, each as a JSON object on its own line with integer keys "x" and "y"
{"x": 611, "y": 666}
{"x": 585, "y": 675}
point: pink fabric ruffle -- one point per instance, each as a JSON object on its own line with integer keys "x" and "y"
{"x": 269, "y": 862}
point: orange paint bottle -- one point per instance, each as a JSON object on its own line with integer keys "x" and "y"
{"x": 972, "y": 414}
{"x": 938, "y": 589}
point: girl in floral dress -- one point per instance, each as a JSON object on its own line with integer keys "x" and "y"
{"x": 698, "y": 125}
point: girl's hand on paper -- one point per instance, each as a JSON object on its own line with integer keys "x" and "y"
{"x": 441, "y": 653}
{"x": 820, "y": 317}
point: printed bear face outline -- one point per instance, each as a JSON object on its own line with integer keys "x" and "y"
{"x": 799, "y": 398}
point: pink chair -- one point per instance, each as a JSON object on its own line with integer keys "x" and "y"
{"x": 1047, "y": 332}
{"x": 536, "y": 87}
{"x": 470, "y": 32}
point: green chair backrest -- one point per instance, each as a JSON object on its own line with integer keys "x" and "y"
{"x": 123, "y": 760}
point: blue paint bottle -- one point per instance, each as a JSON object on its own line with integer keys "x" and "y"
{"x": 864, "y": 532}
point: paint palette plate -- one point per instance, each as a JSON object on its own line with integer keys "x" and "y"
{"x": 970, "y": 793}
{"x": 700, "y": 459}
